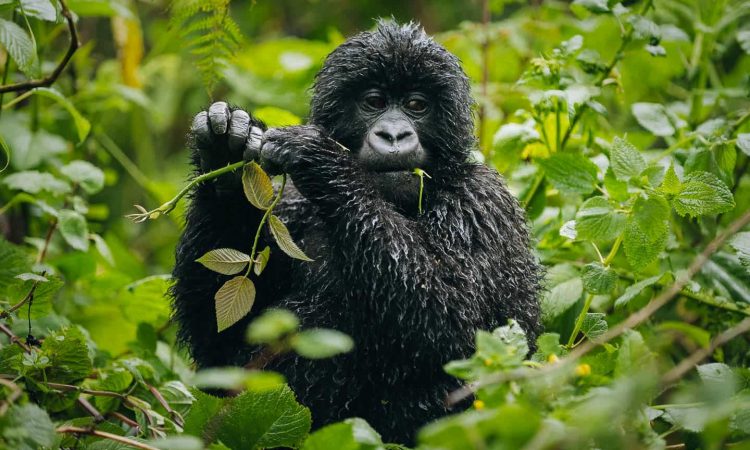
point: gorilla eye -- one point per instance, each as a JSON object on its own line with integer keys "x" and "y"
{"x": 375, "y": 101}
{"x": 416, "y": 105}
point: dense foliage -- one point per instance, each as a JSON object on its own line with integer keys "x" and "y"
{"x": 624, "y": 128}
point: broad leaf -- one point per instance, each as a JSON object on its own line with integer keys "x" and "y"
{"x": 320, "y": 343}
{"x": 257, "y": 186}
{"x": 570, "y": 172}
{"x": 33, "y": 182}
{"x": 234, "y": 300}
{"x": 69, "y": 356}
{"x": 28, "y": 427}
{"x": 743, "y": 143}
{"x": 598, "y": 279}
{"x": 74, "y": 229}
{"x": 20, "y": 47}
{"x": 598, "y": 221}
{"x": 351, "y": 434}
{"x": 594, "y": 325}
{"x": 85, "y": 174}
{"x": 625, "y": 160}
{"x": 560, "y": 298}
{"x": 654, "y": 118}
{"x": 225, "y": 260}
{"x": 284, "y": 239}
{"x": 703, "y": 193}
{"x": 595, "y": 6}
{"x": 40, "y": 9}
{"x": 271, "y": 326}
{"x": 646, "y": 231}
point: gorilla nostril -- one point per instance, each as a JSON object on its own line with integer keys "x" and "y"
{"x": 385, "y": 136}
{"x": 403, "y": 135}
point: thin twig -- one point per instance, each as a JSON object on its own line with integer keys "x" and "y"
{"x": 13, "y": 338}
{"x": 699, "y": 355}
{"x": 90, "y": 409}
{"x": 15, "y": 392}
{"x": 163, "y": 402}
{"x": 125, "y": 419}
{"x": 52, "y": 77}
{"x": 69, "y": 429}
{"x": 631, "y": 322}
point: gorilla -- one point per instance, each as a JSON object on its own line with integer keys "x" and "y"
{"x": 410, "y": 288}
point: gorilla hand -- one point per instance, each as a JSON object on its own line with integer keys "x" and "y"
{"x": 284, "y": 150}
{"x": 224, "y": 136}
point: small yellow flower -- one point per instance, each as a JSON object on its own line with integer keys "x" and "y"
{"x": 478, "y": 404}
{"x": 583, "y": 370}
{"x": 488, "y": 362}
{"x": 552, "y": 358}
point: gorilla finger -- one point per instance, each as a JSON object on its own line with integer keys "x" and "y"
{"x": 271, "y": 158}
{"x": 253, "y": 144}
{"x": 218, "y": 116}
{"x": 200, "y": 130}
{"x": 239, "y": 126}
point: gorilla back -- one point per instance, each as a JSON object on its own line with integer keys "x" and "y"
{"x": 410, "y": 288}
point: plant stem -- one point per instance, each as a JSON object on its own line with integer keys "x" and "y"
{"x": 103, "y": 434}
{"x": 263, "y": 222}
{"x": 579, "y": 320}
{"x": 613, "y": 250}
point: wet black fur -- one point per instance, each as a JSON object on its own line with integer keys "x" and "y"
{"x": 410, "y": 289}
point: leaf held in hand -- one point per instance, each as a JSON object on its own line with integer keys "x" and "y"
{"x": 257, "y": 186}
{"x": 284, "y": 239}
{"x": 233, "y": 301}
{"x": 225, "y": 260}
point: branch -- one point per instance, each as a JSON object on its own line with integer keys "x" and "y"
{"x": 699, "y": 355}
{"x": 631, "y": 322}
{"x": 13, "y": 338}
{"x": 103, "y": 434}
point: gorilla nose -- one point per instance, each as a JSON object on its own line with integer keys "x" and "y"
{"x": 393, "y": 137}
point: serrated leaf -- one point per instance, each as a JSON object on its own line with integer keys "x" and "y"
{"x": 743, "y": 143}
{"x": 594, "y": 325}
{"x": 570, "y": 172}
{"x": 671, "y": 184}
{"x": 598, "y": 279}
{"x": 257, "y": 186}
{"x": 69, "y": 356}
{"x": 87, "y": 175}
{"x": 625, "y": 160}
{"x": 703, "y": 193}
{"x": 20, "y": 47}
{"x": 598, "y": 221}
{"x": 82, "y": 125}
{"x": 261, "y": 260}
{"x": 227, "y": 261}
{"x": 646, "y": 231}
{"x": 33, "y": 182}
{"x": 74, "y": 229}
{"x": 284, "y": 239}
{"x": 234, "y": 300}
{"x": 28, "y": 427}
{"x": 636, "y": 288}
{"x": 317, "y": 343}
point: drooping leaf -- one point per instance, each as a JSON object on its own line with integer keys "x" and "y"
{"x": 625, "y": 160}
{"x": 227, "y": 261}
{"x": 85, "y": 174}
{"x": 20, "y": 47}
{"x": 234, "y": 299}
{"x": 703, "y": 193}
{"x": 74, "y": 229}
{"x": 284, "y": 239}
{"x": 257, "y": 186}
{"x": 598, "y": 221}
{"x": 570, "y": 172}
{"x": 320, "y": 343}
{"x": 598, "y": 279}
{"x": 636, "y": 288}
{"x": 654, "y": 118}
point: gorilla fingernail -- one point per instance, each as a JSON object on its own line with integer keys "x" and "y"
{"x": 218, "y": 115}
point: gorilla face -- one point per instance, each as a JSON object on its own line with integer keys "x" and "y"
{"x": 399, "y": 101}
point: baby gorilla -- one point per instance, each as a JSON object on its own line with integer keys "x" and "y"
{"x": 411, "y": 289}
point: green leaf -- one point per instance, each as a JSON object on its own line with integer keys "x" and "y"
{"x": 284, "y": 239}
{"x": 44, "y": 294}
{"x": 87, "y": 175}
{"x": 594, "y": 325}
{"x": 266, "y": 419}
{"x": 20, "y": 47}
{"x": 82, "y": 125}
{"x": 103, "y": 248}
{"x": 4, "y": 154}
{"x": 13, "y": 261}
{"x": 74, "y": 229}
{"x": 232, "y": 378}
{"x": 625, "y": 160}
{"x": 743, "y": 37}
{"x": 617, "y": 190}
{"x": 511, "y": 138}
{"x": 598, "y": 279}
{"x": 703, "y": 193}
{"x": 271, "y": 326}
{"x": 595, "y": 6}
{"x": 654, "y": 118}
{"x": 740, "y": 243}
{"x": 40, "y": 9}
{"x": 234, "y": 299}
{"x": 636, "y": 288}
{"x": 671, "y": 184}
{"x": 28, "y": 427}
{"x": 743, "y": 142}
{"x": 261, "y": 260}
{"x": 276, "y": 117}
{"x": 205, "y": 408}
{"x": 351, "y": 434}
{"x": 570, "y": 172}
{"x": 560, "y": 298}
{"x": 33, "y": 182}
{"x": 227, "y": 261}
{"x": 257, "y": 186}
{"x": 318, "y": 343}
{"x": 598, "y": 221}
{"x": 177, "y": 443}
{"x": 69, "y": 356}
{"x": 646, "y": 231}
